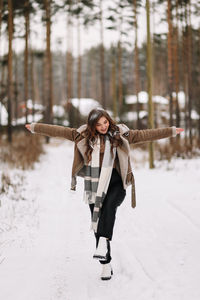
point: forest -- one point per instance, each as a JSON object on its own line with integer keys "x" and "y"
{"x": 140, "y": 61}
{"x": 36, "y": 81}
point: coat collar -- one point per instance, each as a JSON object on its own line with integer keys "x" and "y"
{"x": 82, "y": 128}
{"x": 123, "y": 130}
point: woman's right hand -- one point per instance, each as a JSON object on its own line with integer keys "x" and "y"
{"x": 28, "y": 126}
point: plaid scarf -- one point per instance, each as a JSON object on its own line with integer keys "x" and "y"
{"x": 96, "y": 180}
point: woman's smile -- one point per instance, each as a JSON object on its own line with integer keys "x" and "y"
{"x": 102, "y": 125}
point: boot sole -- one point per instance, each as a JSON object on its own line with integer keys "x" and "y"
{"x": 107, "y": 278}
{"x": 100, "y": 257}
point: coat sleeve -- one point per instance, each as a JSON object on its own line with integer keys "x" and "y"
{"x": 54, "y": 131}
{"x": 147, "y": 135}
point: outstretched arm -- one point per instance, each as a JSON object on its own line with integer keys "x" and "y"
{"x": 53, "y": 130}
{"x": 147, "y": 135}
{"x": 179, "y": 130}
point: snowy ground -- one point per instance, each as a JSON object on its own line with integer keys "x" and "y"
{"x": 46, "y": 246}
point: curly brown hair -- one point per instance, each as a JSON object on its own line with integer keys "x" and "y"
{"x": 91, "y": 133}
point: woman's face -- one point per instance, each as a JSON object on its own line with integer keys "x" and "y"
{"x": 102, "y": 125}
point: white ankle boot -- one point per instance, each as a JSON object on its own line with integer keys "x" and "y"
{"x": 107, "y": 272}
{"x": 101, "y": 249}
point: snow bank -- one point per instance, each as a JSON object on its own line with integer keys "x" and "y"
{"x": 47, "y": 247}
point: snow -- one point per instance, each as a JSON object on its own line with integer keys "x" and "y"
{"x": 194, "y": 115}
{"x": 181, "y": 98}
{"x": 85, "y": 105}
{"x": 132, "y": 115}
{"x": 36, "y": 106}
{"x": 37, "y": 117}
{"x": 143, "y": 98}
{"x": 46, "y": 246}
{"x": 58, "y": 111}
{"x": 3, "y": 115}
{"x": 131, "y": 99}
{"x": 161, "y": 100}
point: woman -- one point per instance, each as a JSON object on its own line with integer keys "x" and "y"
{"x": 102, "y": 157}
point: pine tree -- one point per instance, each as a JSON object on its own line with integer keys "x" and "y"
{"x": 10, "y": 69}
{"x": 149, "y": 83}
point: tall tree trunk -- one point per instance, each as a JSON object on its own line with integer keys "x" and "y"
{"x": 2, "y": 85}
{"x": 149, "y": 84}
{"x": 189, "y": 65}
{"x": 176, "y": 66}
{"x": 103, "y": 95}
{"x": 26, "y": 16}
{"x": 183, "y": 66}
{"x": 44, "y": 84}
{"x": 33, "y": 85}
{"x": 49, "y": 85}
{"x": 79, "y": 66}
{"x": 199, "y": 103}
{"x": 153, "y": 30}
{"x": 69, "y": 75}
{"x": 69, "y": 65}
{"x": 93, "y": 81}
{"x": 119, "y": 71}
{"x": 136, "y": 61}
{"x": 1, "y": 8}
{"x": 10, "y": 71}
{"x": 1, "y": 12}
{"x": 119, "y": 62}
{"x": 113, "y": 85}
{"x": 176, "y": 72}
{"x": 16, "y": 92}
{"x": 169, "y": 54}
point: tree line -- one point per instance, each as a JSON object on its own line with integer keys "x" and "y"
{"x": 165, "y": 63}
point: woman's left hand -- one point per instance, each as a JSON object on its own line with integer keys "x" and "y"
{"x": 179, "y": 130}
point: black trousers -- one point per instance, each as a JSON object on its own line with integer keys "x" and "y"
{"x": 114, "y": 197}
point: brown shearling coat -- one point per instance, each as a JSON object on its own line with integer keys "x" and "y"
{"x": 128, "y": 137}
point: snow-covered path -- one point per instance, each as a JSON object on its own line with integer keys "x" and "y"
{"x": 155, "y": 247}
